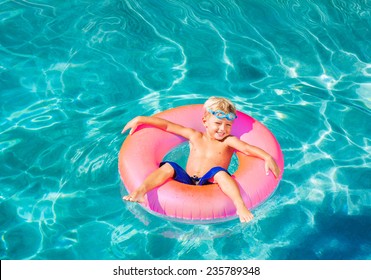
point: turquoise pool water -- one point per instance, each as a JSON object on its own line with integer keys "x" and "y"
{"x": 72, "y": 73}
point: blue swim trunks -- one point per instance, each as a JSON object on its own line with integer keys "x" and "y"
{"x": 182, "y": 176}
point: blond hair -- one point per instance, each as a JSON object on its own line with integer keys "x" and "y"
{"x": 219, "y": 103}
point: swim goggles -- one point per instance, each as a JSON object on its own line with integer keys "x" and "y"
{"x": 221, "y": 115}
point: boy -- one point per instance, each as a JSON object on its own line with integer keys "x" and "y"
{"x": 210, "y": 154}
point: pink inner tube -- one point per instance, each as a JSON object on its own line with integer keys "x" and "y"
{"x": 142, "y": 152}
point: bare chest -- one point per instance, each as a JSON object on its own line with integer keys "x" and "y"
{"x": 214, "y": 151}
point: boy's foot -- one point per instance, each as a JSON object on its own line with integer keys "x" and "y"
{"x": 245, "y": 215}
{"x": 134, "y": 197}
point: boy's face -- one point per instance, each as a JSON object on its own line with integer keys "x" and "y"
{"x": 217, "y": 128}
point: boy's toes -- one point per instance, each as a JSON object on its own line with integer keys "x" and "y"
{"x": 244, "y": 220}
{"x": 128, "y": 198}
{"x": 134, "y": 198}
{"x": 245, "y": 217}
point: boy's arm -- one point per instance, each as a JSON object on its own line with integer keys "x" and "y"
{"x": 159, "y": 123}
{"x": 270, "y": 163}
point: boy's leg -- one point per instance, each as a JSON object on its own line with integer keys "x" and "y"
{"x": 229, "y": 186}
{"x": 155, "y": 179}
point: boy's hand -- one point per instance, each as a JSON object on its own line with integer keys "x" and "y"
{"x": 133, "y": 124}
{"x": 270, "y": 164}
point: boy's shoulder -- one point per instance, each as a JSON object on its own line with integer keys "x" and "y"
{"x": 195, "y": 133}
{"x": 231, "y": 140}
